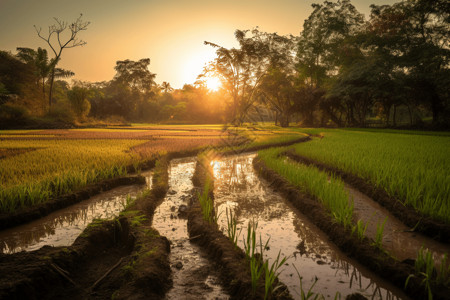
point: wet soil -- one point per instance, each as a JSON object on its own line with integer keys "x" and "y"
{"x": 237, "y": 188}
{"x": 376, "y": 260}
{"x": 62, "y": 227}
{"x": 398, "y": 239}
{"x": 194, "y": 276}
{"x": 410, "y": 217}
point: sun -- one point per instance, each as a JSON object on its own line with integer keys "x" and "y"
{"x": 212, "y": 83}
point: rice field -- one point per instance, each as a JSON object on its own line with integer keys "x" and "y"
{"x": 38, "y": 165}
{"x": 328, "y": 189}
{"x": 413, "y": 168}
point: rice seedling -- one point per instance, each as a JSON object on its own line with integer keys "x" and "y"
{"x": 412, "y": 167}
{"x": 360, "y": 229}
{"x": 309, "y": 294}
{"x": 379, "y": 234}
{"x": 207, "y": 205}
{"x": 330, "y": 192}
{"x": 271, "y": 274}
{"x": 232, "y": 232}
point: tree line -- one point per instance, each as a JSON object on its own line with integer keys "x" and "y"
{"x": 342, "y": 70}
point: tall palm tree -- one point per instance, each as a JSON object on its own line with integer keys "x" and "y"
{"x": 43, "y": 66}
{"x": 165, "y": 86}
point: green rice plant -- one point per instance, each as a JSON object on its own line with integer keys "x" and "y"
{"x": 250, "y": 239}
{"x": 410, "y": 166}
{"x": 444, "y": 272}
{"x": 207, "y": 205}
{"x": 379, "y": 234}
{"x": 424, "y": 266}
{"x": 330, "y": 191}
{"x": 309, "y": 294}
{"x": 271, "y": 274}
{"x": 360, "y": 229}
{"x": 232, "y": 232}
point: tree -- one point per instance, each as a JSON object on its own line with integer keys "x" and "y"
{"x": 243, "y": 69}
{"x": 132, "y": 87}
{"x": 165, "y": 86}
{"x": 56, "y": 31}
{"x": 414, "y": 35}
{"x": 323, "y": 47}
{"x": 43, "y": 67}
{"x": 78, "y": 96}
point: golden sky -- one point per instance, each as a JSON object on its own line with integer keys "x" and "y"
{"x": 169, "y": 32}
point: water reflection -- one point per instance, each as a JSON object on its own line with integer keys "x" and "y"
{"x": 62, "y": 227}
{"x": 193, "y": 275}
{"x": 238, "y": 188}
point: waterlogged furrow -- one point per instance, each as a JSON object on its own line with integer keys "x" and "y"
{"x": 237, "y": 188}
{"x": 193, "y": 275}
{"x": 63, "y": 226}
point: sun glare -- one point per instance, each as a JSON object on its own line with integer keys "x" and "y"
{"x": 213, "y": 83}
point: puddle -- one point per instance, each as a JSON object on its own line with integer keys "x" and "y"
{"x": 397, "y": 239}
{"x": 193, "y": 274}
{"x": 62, "y": 227}
{"x": 237, "y": 187}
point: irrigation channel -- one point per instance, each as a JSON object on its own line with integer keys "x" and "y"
{"x": 237, "y": 188}
{"x": 63, "y": 226}
{"x": 194, "y": 276}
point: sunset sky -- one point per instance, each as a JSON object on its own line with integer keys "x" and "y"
{"x": 169, "y": 32}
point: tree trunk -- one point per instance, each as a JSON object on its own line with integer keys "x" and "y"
{"x": 50, "y": 92}
{"x": 387, "y": 113}
{"x": 284, "y": 120}
{"x": 393, "y": 117}
{"x": 410, "y": 116}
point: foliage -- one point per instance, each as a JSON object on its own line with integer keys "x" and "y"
{"x": 413, "y": 168}
{"x": 78, "y": 97}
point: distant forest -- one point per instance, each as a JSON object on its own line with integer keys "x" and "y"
{"x": 391, "y": 70}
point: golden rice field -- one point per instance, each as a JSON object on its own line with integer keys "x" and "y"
{"x": 38, "y": 165}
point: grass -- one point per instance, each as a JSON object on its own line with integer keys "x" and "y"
{"x": 412, "y": 167}
{"x": 232, "y": 232}
{"x": 360, "y": 229}
{"x": 258, "y": 266}
{"x": 207, "y": 204}
{"x": 433, "y": 274}
{"x": 58, "y": 167}
{"x": 33, "y": 171}
{"x": 379, "y": 234}
{"x": 330, "y": 191}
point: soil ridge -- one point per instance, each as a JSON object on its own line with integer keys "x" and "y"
{"x": 376, "y": 260}
{"x": 409, "y": 216}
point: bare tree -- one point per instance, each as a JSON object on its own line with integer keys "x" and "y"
{"x": 59, "y": 41}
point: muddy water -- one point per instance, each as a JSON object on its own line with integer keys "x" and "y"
{"x": 398, "y": 240}
{"x": 63, "y": 226}
{"x": 237, "y": 187}
{"x": 194, "y": 277}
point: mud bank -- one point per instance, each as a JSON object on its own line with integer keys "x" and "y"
{"x": 378, "y": 261}
{"x": 410, "y": 217}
